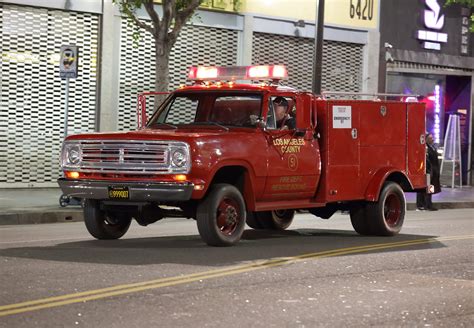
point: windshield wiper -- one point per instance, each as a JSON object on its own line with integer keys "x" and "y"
{"x": 165, "y": 124}
{"x": 211, "y": 123}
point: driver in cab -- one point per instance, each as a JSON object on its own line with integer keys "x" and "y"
{"x": 283, "y": 120}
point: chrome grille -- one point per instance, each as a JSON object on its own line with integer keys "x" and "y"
{"x": 128, "y": 157}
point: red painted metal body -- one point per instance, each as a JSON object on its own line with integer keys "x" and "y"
{"x": 310, "y": 167}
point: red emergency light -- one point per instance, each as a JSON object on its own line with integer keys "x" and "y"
{"x": 232, "y": 73}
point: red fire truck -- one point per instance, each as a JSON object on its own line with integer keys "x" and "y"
{"x": 219, "y": 152}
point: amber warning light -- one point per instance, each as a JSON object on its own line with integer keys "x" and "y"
{"x": 232, "y": 73}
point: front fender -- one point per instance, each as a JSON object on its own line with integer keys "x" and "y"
{"x": 250, "y": 180}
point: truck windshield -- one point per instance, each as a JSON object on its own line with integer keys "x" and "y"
{"x": 206, "y": 108}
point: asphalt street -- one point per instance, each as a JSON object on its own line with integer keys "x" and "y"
{"x": 320, "y": 273}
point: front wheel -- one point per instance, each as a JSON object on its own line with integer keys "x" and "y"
{"x": 102, "y": 224}
{"x": 386, "y": 216}
{"x": 221, "y": 216}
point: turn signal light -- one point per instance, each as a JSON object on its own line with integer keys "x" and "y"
{"x": 72, "y": 175}
{"x": 180, "y": 177}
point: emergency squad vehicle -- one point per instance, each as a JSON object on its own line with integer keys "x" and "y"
{"x": 214, "y": 152}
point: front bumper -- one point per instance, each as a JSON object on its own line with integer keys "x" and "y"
{"x": 149, "y": 192}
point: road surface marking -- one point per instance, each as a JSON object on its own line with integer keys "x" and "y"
{"x": 90, "y": 295}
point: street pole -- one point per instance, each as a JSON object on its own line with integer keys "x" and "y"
{"x": 318, "y": 52}
{"x": 66, "y": 109}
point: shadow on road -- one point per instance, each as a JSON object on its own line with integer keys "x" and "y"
{"x": 190, "y": 250}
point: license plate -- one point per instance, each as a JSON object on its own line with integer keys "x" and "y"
{"x": 118, "y": 193}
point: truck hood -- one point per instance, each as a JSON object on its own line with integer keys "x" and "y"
{"x": 151, "y": 134}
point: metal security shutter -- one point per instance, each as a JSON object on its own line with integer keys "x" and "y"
{"x": 400, "y": 65}
{"x": 196, "y": 45}
{"x": 32, "y": 94}
{"x": 342, "y": 62}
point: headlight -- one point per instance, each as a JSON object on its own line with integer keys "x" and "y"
{"x": 72, "y": 154}
{"x": 179, "y": 158}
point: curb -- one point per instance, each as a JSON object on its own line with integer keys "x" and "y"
{"x": 64, "y": 215}
{"x": 41, "y": 216}
{"x": 444, "y": 205}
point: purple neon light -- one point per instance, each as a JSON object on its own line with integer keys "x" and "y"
{"x": 437, "y": 120}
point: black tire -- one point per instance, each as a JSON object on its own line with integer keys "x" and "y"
{"x": 105, "y": 225}
{"x": 253, "y": 222}
{"x": 360, "y": 219}
{"x": 386, "y": 216}
{"x": 221, "y": 216}
{"x": 276, "y": 220}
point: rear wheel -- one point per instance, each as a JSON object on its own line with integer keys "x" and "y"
{"x": 386, "y": 216}
{"x": 253, "y": 222}
{"x": 105, "y": 224}
{"x": 276, "y": 220}
{"x": 360, "y": 219}
{"x": 221, "y": 216}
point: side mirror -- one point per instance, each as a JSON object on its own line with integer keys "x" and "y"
{"x": 303, "y": 112}
{"x": 300, "y": 132}
{"x": 260, "y": 123}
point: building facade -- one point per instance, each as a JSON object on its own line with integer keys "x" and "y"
{"x": 430, "y": 53}
{"x": 112, "y": 70}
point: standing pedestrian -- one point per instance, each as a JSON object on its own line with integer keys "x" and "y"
{"x": 423, "y": 199}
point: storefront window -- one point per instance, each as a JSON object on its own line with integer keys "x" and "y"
{"x": 430, "y": 89}
{"x": 444, "y": 95}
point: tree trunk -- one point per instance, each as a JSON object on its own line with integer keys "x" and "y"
{"x": 161, "y": 71}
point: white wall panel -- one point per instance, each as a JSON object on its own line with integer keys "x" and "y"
{"x": 342, "y": 61}
{"x": 32, "y": 98}
{"x": 196, "y": 45}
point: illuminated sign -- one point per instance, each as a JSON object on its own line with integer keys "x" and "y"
{"x": 465, "y": 31}
{"x": 437, "y": 110}
{"x": 433, "y": 20}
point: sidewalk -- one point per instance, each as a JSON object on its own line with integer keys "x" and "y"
{"x": 41, "y": 205}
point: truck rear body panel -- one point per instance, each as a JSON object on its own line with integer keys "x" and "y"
{"x": 358, "y": 139}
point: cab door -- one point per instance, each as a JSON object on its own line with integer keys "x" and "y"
{"x": 292, "y": 161}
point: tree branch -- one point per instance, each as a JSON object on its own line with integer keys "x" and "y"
{"x": 129, "y": 9}
{"x": 155, "y": 19}
{"x": 141, "y": 24}
{"x": 181, "y": 18}
{"x": 169, "y": 7}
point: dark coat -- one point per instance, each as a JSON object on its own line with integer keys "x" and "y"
{"x": 432, "y": 167}
{"x": 288, "y": 121}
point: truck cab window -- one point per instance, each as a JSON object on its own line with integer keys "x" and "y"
{"x": 282, "y": 113}
{"x": 236, "y": 110}
{"x": 226, "y": 109}
{"x": 181, "y": 110}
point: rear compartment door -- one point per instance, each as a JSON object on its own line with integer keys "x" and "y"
{"x": 343, "y": 156}
{"x": 416, "y": 148}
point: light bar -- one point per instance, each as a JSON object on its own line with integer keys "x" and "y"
{"x": 202, "y": 73}
{"x": 232, "y": 73}
{"x": 257, "y": 72}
